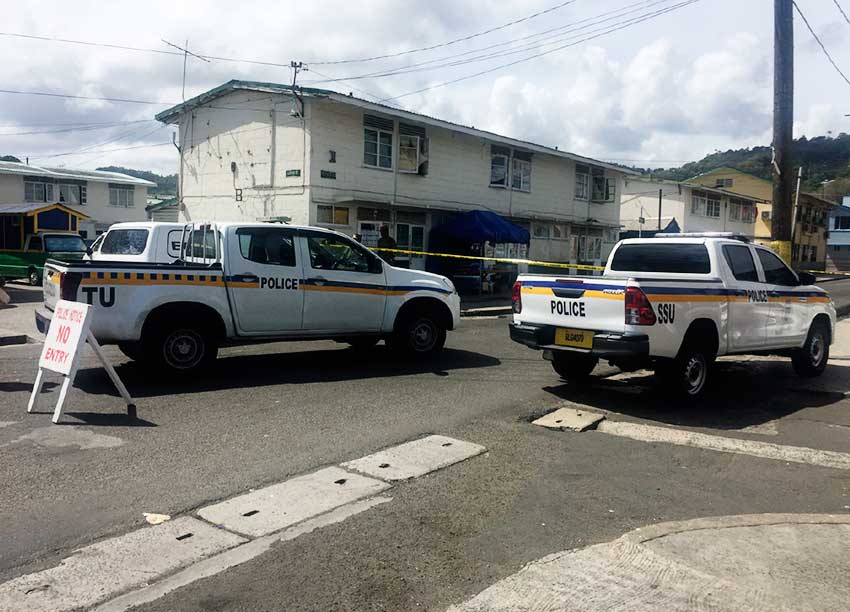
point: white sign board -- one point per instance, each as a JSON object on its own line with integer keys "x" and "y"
{"x": 68, "y": 330}
{"x": 68, "y": 333}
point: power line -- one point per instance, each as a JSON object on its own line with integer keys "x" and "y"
{"x": 560, "y": 36}
{"x": 451, "y": 42}
{"x": 93, "y": 148}
{"x": 88, "y": 128}
{"x": 531, "y": 57}
{"x": 74, "y": 97}
{"x": 841, "y": 10}
{"x": 825, "y": 52}
{"x": 161, "y": 144}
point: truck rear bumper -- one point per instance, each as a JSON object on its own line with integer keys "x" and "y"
{"x": 605, "y": 345}
{"x": 42, "y": 319}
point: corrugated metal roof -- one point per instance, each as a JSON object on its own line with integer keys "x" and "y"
{"x": 171, "y": 114}
{"x": 69, "y": 173}
{"x": 28, "y": 207}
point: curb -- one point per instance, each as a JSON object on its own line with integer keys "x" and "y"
{"x": 842, "y": 311}
{"x": 13, "y": 339}
{"x": 496, "y": 311}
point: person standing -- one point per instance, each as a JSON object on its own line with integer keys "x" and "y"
{"x": 386, "y": 242}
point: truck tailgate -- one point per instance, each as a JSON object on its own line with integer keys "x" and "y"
{"x": 573, "y": 303}
{"x": 50, "y": 284}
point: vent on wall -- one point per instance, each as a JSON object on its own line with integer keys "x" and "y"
{"x": 379, "y": 123}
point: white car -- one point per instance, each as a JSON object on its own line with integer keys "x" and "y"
{"x": 237, "y": 283}
{"x": 675, "y": 303}
{"x": 145, "y": 241}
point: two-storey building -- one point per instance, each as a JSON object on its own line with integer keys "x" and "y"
{"x": 264, "y": 151}
{"x": 647, "y": 205}
{"x": 838, "y": 243}
{"x": 810, "y": 218}
{"x": 104, "y": 197}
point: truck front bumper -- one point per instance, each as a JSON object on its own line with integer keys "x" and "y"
{"x": 606, "y": 345}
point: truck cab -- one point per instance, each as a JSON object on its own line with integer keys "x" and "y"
{"x": 28, "y": 263}
{"x": 142, "y": 242}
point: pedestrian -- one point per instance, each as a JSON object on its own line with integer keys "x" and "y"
{"x": 386, "y": 242}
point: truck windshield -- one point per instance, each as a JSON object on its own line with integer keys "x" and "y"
{"x": 125, "y": 242}
{"x": 64, "y": 244}
{"x": 675, "y": 257}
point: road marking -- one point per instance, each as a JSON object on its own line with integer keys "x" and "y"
{"x": 281, "y": 505}
{"x": 235, "y": 556}
{"x": 765, "y": 450}
{"x": 569, "y": 418}
{"x": 57, "y": 437}
{"x": 96, "y": 572}
{"x": 414, "y": 459}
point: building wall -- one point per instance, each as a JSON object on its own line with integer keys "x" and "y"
{"x": 675, "y": 203}
{"x": 748, "y": 185}
{"x": 11, "y": 188}
{"x": 231, "y": 146}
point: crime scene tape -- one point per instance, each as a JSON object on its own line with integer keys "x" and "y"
{"x": 549, "y": 264}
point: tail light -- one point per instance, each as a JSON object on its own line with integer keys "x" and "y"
{"x": 516, "y": 297}
{"x": 638, "y": 309}
{"x": 68, "y": 285}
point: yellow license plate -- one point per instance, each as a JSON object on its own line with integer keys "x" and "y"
{"x": 577, "y": 338}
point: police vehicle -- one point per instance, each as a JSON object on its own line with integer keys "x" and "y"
{"x": 674, "y": 303}
{"x": 145, "y": 241}
{"x": 240, "y": 283}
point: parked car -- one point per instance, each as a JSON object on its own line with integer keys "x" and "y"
{"x": 28, "y": 263}
{"x": 144, "y": 242}
{"x": 240, "y": 283}
{"x": 674, "y": 303}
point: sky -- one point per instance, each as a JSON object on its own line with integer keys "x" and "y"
{"x": 601, "y": 78}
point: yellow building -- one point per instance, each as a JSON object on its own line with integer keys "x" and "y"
{"x": 810, "y": 221}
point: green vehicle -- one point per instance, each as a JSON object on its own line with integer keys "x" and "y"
{"x": 32, "y": 233}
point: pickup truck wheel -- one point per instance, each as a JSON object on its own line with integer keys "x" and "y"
{"x": 688, "y": 374}
{"x": 810, "y": 360}
{"x": 573, "y": 367}
{"x": 34, "y": 277}
{"x": 181, "y": 348}
{"x": 419, "y": 334}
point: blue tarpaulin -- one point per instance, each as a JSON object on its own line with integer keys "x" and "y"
{"x": 480, "y": 226}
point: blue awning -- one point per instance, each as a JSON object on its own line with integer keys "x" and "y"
{"x": 481, "y": 226}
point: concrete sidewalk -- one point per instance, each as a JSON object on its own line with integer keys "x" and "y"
{"x": 728, "y": 564}
{"x": 17, "y": 319}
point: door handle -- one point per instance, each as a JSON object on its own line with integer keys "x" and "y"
{"x": 318, "y": 280}
{"x": 246, "y": 278}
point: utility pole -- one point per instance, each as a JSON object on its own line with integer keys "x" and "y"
{"x": 660, "y": 192}
{"x": 186, "y": 54}
{"x": 783, "y": 117}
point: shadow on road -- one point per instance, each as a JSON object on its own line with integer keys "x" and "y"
{"x": 23, "y": 295}
{"x": 10, "y": 387}
{"x": 100, "y": 419}
{"x": 742, "y": 394}
{"x": 259, "y": 370}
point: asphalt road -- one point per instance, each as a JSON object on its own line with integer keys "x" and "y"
{"x": 268, "y": 413}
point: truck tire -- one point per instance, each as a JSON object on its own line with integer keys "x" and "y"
{"x": 810, "y": 360}
{"x": 573, "y": 367}
{"x": 688, "y": 374}
{"x": 34, "y": 277}
{"x": 418, "y": 334}
{"x": 180, "y": 347}
{"x": 132, "y": 350}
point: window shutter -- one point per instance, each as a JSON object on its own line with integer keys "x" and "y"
{"x": 379, "y": 123}
{"x": 411, "y": 130}
{"x": 424, "y": 145}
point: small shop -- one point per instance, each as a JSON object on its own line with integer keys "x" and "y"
{"x": 478, "y": 234}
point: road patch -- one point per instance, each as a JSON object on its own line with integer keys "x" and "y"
{"x": 754, "y": 448}
{"x": 58, "y": 437}
{"x": 414, "y": 459}
{"x": 102, "y": 570}
{"x": 281, "y": 505}
{"x": 573, "y": 419}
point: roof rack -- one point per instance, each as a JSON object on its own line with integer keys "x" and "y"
{"x": 727, "y": 235}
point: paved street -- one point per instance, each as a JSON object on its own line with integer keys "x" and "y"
{"x": 274, "y": 412}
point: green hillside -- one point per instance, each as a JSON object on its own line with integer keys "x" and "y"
{"x": 165, "y": 184}
{"x": 824, "y": 158}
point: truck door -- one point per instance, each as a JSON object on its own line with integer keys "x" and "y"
{"x": 264, "y": 280}
{"x": 345, "y": 286}
{"x": 749, "y": 308}
{"x": 785, "y": 327}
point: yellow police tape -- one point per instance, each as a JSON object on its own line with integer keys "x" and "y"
{"x": 549, "y": 264}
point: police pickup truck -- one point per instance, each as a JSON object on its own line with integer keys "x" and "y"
{"x": 241, "y": 283}
{"x": 674, "y": 303}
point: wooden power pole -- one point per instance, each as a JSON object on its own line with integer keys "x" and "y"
{"x": 783, "y": 119}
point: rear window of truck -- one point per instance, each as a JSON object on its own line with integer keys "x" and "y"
{"x": 125, "y": 242}
{"x": 677, "y": 258}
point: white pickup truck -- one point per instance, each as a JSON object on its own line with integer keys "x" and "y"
{"x": 674, "y": 303}
{"x": 142, "y": 241}
{"x": 241, "y": 283}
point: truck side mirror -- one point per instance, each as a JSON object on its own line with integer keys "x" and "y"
{"x": 807, "y": 278}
